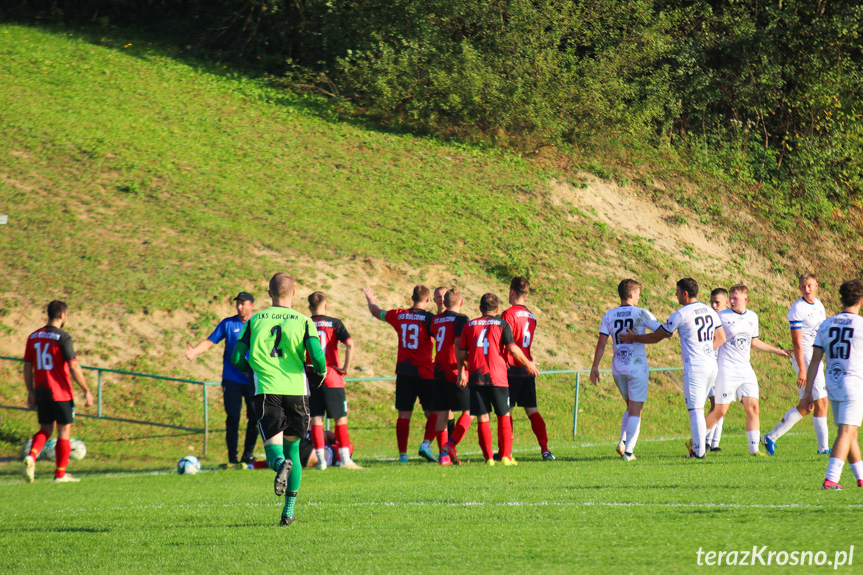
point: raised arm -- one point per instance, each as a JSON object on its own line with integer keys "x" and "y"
{"x": 371, "y": 300}
{"x": 601, "y": 342}
{"x": 761, "y": 346}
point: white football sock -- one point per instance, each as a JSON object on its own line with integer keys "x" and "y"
{"x": 791, "y": 417}
{"x": 834, "y": 469}
{"x": 633, "y": 428}
{"x": 345, "y": 454}
{"x": 754, "y": 440}
{"x": 857, "y": 468}
{"x": 322, "y": 458}
{"x": 624, "y": 421}
{"x": 820, "y": 425}
{"x": 698, "y": 427}
{"x": 717, "y": 433}
{"x": 709, "y": 437}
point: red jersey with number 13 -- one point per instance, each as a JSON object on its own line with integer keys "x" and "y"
{"x": 485, "y": 339}
{"x": 331, "y": 331}
{"x": 50, "y": 350}
{"x": 523, "y": 325}
{"x": 415, "y": 341}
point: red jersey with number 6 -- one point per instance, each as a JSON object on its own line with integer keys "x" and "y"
{"x": 446, "y": 327}
{"x": 331, "y": 331}
{"x": 485, "y": 339}
{"x": 415, "y": 341}
{"x": 523, "y": 325}
{"x": 50, "y": 350}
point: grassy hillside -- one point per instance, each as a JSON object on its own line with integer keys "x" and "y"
{"x": 147, "y": 188}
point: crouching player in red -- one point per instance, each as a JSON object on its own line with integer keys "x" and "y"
{"x": 482, "y": 345}
{"x": 49, "y": 366}
{"x": 840, "y": 340}
{"x": 329, "y": 399}
{"x": 522, "y": 387}
{"x": 447, "y": 328}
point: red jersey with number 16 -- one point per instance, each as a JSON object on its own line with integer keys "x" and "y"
{"x": 331, "y": 331}
{"x": 415, "y": 341}
{"x": 446, "y": 327}
{"x": 485, "y": 339}
{"x": 50, "y": 350}
{"x": 523, "y": 325}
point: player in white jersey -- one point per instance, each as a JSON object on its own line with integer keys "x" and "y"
{"x": 697, "y": 325}
{"x": 719, "y": 302}
{"x": 736, "y": 380}
{"x": 629, "y": 367}
{"x": 840, "y": 340}
{"x": 804, "y": 317}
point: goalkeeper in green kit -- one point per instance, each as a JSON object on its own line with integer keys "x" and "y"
{"x": 277, "y": 340}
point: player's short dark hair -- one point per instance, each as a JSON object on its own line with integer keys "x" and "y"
{"x": 688, "y": 285}
{"x": 488, "y": 302}
{"x": 739, "y": 288}
{"x": 440, "y": 288}
{"x": 627, "y": 287}
{"x": 317, "y": 299}
{"x": 281, "y": 285}
{"x": 719, "y": 291}
{"x": 520, "y": 285}
{"x": 421, "y": 293}
{"x": 451, "y": 297}
{"x": 57, "y": 308}
{"x": 851, "y": 292}
{"x": 806, "y": 276}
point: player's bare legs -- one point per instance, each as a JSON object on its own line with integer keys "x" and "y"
{"x": 846, "y": 447}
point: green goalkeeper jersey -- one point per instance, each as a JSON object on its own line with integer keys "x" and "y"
{"x": 277, "y": 340}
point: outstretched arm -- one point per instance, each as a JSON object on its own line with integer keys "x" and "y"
{"x": 371, "y": 299}
{"x": 761, "y": 346}
{"x": 201, "y": 347}
{"x": 597, "y": 356}
{"x": 655, "y": 337}
{"x": 522, "y": 359}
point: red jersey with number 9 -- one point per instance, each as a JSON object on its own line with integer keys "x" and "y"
{"x": 415, "y": 341}
{"x": 50, "y": 350}
{"x": 523, "y": 325}
{"x": 446, "y": 327}
{"x": 485, "y": 339}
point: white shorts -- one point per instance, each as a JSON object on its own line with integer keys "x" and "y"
{"x": 819, "y": 388}
{"x": 848, "y": 412}
{"x": 697, "y": 381}
{"x": 735, "y": 387}
{"x": 632, "y": 386}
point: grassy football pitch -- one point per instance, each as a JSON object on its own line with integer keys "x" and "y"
{"x": 586, "y": 512}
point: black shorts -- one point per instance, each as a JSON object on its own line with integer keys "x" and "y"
{"x": 408, "y": 389}
{"x": 457, "y": 398}
{"x": 328, "y": 401}
{"x": 282, "y": 413}
{"x": 485, "y": 397}
{"x": 522, "y": 391}
{"x": 50, "y": 411}
{"x": 306, "y": 449}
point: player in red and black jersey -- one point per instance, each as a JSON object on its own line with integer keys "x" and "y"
{"x": 329, "y": 399}
{"x": 439, "y": 294}
{"x": 522, "y": 386}
{"x": 49, "y": 366}
{"x": 414, "y": 366}
{"x": 447, "y": 327}
{"x": 483, "y": 343}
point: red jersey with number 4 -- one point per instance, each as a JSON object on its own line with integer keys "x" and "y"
{"x": 331, "y": 331}
{"x": 415, "y": 341}
{"x": 486, "y": 339}
{"x": 446, "y": 327}
{"x": 50, "y": 350}
{"x": 523, "y": 325}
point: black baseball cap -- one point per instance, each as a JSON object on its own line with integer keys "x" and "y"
{"x": 245, "y": 296}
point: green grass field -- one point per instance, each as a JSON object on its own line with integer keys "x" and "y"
{"x": 586, "y": 512}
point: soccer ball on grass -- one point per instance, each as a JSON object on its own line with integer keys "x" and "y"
{"x": 189, "y": 465}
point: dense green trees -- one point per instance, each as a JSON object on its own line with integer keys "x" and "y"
{"x": 770, "y": 90}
